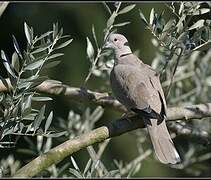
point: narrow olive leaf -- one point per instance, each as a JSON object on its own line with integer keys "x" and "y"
{"x": 27, "y": 105}
{"x": 16, "y": 46}
{"x": 54, "y": 135}
{"x": 111, "y": 19}
{"x": 126, "y": 9}
{"x": 48, "y": 121}
{"x": 74, "y": 163}
{"x": 55, "y": 55}
{"x": 34, "y": 65}
{"x": 43, "y": 36}
{"x": 51, "y": 64}
{"x": 7, "y": 65}
{"x": 15, "y": 62}
{"x": 181, "y": 8}
{"x": 89, "y": 49}
{"x": 198, "y": 24}
{"x": 94, "y": 36}
{"x": 55, "y": 30}
{"x": 201, "y": 11}
{"x": 107, "y": 8}
{"x": 39, "y": 118}
{"x": 142, "y": 17}
{"x": 87, "y": 166}
{"x": 121, "y": 24}
{"x": 203, "y": 47}
{"x": 75, "y": 173}
{"x": 64, "y": 44}
{"x": 27, "y": 33}
{"x": 152, "y": 15}
{"x": 3, "y": 6}
{"x": 41, "y": 99}
{"x": 38, "y": 50}
{"x": 5, "y": 83}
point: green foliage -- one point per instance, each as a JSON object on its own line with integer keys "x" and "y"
{"x": 24, "y": 72}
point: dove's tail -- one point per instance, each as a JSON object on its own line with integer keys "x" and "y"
{"x": 162, "y": 143}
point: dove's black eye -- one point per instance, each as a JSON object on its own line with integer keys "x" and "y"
{"x": 115, "y": 39}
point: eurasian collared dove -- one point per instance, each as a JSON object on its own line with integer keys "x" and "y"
{"x": 137, "y": 86}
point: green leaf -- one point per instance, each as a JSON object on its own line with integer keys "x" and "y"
{"x": 89, "y": 50}
{"x": 15, "y": 61}
{"x": 48, "y": 121}
{"x": 152, "y": 15}
{"x": 126, "y": 9}
{"x": 181, "y": 8}
{"x": 198, "y": 24}
{"x": 55, "y": 55}
{"x": 64, "y": 44}
{"x": 121, "y": 24}
{"x": 39, "y": 118}
{"x": 111, "y": 19}
{"x": 27, "y": 33}
{"x": 41, "y": 99}
{"x": 38, "y": 50}
{"x": 201, "y": 11}
{"x": 54, "y": 135}
{"x": 27, "y": 105}
{"x": 94, "y": 36}
{"x": 43, "y": 36}
{"x": 107, "y": 8}
{"x": 87, "y": 166}
{"x": 203, "y": 47}
{"x": 3, "y": 6}
{"x": 74, "y": 163}
{"x": 142, "y": 17}
{"x": 75, "y": 173}
{"x": 7, "y": 65}
{"x": 16, "y": 46}
{"x": 34, "y": 65}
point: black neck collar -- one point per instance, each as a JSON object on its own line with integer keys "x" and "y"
{"x": 125, "y": 54}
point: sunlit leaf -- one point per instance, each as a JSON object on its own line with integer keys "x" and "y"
{"x": 111, "y": 19}
{"x": 89, "y": 49}
{"x": 48, "y": 121}
{"x": 34, "y": 65}
{"x": 152, "y": 14}
{"x": 15, "y": 62}
{"x": 7, "y": 64}
{"x": 127, "y": 9}
{"x": 198, "y": 24}
{"x": 64, "y": 44}
{"x": 142, "y": 17}
{"x": 27, "y": 33}
{"x": 121, "y": 24}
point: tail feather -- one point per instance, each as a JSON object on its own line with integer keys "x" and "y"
{"x": 162, "y": 143}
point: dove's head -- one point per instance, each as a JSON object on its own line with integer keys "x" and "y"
{"x": 119, "y": 44}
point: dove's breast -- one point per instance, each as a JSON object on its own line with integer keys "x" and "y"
{"x": 123, "y": 81}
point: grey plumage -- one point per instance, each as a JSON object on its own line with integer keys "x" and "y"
{"x": 137, "y": 86}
